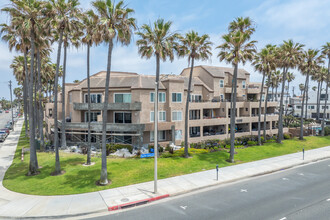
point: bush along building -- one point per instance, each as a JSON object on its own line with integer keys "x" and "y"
{"x": 131, "y": 107}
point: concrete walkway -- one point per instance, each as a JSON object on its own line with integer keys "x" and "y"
{"x": 20, "y": 205}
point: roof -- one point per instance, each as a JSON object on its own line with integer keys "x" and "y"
{"x": 217, "y": 71}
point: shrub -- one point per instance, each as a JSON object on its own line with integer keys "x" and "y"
{"x": 216, "y": 148}
{"x": 287, "y": 136}
{"x": 251, "y": 143}
{"x": 262, "y": 140}
{"x": 167, "y": 148}
{"x": 326, "y": 131}
{"x": 113, "y": 147}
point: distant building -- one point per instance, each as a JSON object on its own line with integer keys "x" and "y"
{"x": 312, "y": 104}
{"x": 131, "y": 107}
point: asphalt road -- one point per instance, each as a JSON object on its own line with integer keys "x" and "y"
{"x": 299, "y": 193}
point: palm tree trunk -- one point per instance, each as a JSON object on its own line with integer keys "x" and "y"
{"x": 319, "y": 87}
{"x": 57, "y": 155}
{"x": 280, "y": 120}
{"x": 156, "y": 122}
{"x": 276, "y": 92}
{"x": 104, "y": 172}
{"x": 89, "y": 109}
{"x": 272, "y": 93}
{"x": 186, "y": 154}
{"x": 233, "y": 116}
{"x": 259, "y": 117}
{"x": 25, "y": 93}
{"x": 306, "y": 87}
{"x": 41, "y": 119}
{"x": 63, "y": 134}
{"x": 326, "y": 99}
{"x": 33, "y": 166}
{"x": 35, "y": 114}
{"x": 265, "y": 117}
{"x": 287, "y": 97}
{"x": 301, "y": 136}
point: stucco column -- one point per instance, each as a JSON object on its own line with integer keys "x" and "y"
{"x": 173, "y": 133}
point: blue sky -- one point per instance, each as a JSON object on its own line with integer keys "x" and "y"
{"x": 304, "y": 21}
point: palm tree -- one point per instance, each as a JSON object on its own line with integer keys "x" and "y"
{"x": 27, "y": 16}
{"x": 320, "y": 77}
{"x": 290, "y": 78}
{"x": 158, "y": 41}
{"x": 301, "y": 88}
{"x": 264, "y": 63}
{"x": 196, "y": 48}
{"x": 277, "y": 76}
{"x": 236, "y": 49}
{"x": 62, "y": 13}
{"x": 326, "y": 53}
{"x": 117, "y": 25}
{"x": 289, "y": 57}
{"x": 92, "y": 36}
{"x": 309, "y": 64}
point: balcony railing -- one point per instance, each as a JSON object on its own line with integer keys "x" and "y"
{"x": 97, "y": 126}
{"x": 135, "y": 106}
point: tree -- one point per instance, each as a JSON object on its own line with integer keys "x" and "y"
{"x": 236, "y": 49}
{"x": 290, "y": 77}
{"x": 92, "y": 36}
{"x": 195, "y": 47}
{"x": 309, "y": 64}
{"x": 289, "y": 56}
{"x": 301, "y": 88}
{"x": 326, "y": 53}
{"x": 158, "y": 41}
{"x": 264, "y": 63}
{"x": 62, "y": 13}
{"x": 116, "y": 23}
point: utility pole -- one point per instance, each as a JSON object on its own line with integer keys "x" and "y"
{"x": 11, "y": 105}
{"x": 292, "y": 91}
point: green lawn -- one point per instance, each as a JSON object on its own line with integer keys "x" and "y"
{"x": 122, "y": 172}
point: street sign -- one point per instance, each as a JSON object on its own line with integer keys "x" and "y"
{"x": 147, "y": 155}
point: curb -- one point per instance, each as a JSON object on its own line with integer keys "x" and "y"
{"x": 136, "y": 203}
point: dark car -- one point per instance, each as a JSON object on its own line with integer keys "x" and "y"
{"x": 5, "y": 130}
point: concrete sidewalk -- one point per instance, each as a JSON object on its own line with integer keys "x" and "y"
{"x": 20, "y": 205}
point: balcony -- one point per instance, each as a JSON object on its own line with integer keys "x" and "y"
{"x": 97, "y": 126}
{"x": 135, "y": 106}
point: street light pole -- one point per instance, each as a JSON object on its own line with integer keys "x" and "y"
{"x": 11, "y": 105}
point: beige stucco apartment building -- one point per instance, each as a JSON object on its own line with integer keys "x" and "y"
{"x": 131, "y": 107}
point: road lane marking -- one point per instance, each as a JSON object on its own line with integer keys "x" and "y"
{"x": 243, "y": 190}
{"x": 183, "y": 207}
{"x": 328, "y": 200}
{"x": 283, "y": 218}
{"x": 285, "y": 178}
{"x": 301, "y": 174}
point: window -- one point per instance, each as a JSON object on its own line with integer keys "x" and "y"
{"x": 161, "y": 135}
{"x": 298, "y": 107}
{"x": 161, "y": 116}
{"x": 323, "y": 97}
{"x": 221, "y": 98}
{"x": 323, "y": 107}
{"x": 195, "y": 131}
{"x": 195, "y": 98}
{"x": 177, "y": 116}
{"x": 93, "y": 116}
{"x": 95, "y": 98}
{"x": 311, "y": 107}
{"x": 263, "y": 97}
{"x": 161, "y": 97}
{"x": 70, "y": 98}
{"x": 50, "y": 112}
{"x": 194, "y": 114}
{"x": 178, "y": 134}
{"x": 122, "y": 98}
{"x": 246, "y": 109}
{"x": 243, "y": 84}
{"x": 176, "y": 97}
{"x": 221, "y": 83}
{"x": 123, "y": 117}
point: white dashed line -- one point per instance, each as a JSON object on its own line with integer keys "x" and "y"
{"x": 285, "y": 178}
{"x": 243, "y": 190}
{"x": 283, "y": 218}
{"x": 328, "y": 200}
{"x": 301, "y": 174}
{"x": 183, "y": 207}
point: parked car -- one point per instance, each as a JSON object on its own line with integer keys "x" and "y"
{"x": 3, "y": 136}
{"x": 9, "y": 126}
{"x": 5, "y": 130}
{"x": 7, "y": 111}
{"x": 0, "y": 111}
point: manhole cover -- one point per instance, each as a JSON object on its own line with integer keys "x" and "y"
{"x": 125, "y": 200}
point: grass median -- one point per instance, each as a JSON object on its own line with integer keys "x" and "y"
{"x": 122, "y": 172}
